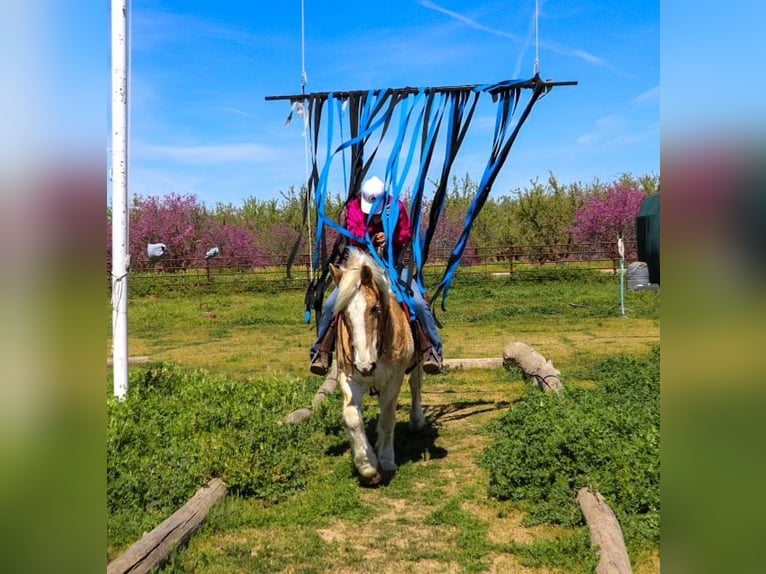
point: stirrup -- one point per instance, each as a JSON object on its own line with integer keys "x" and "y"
{"x": 432, "y": 363}
{"x": 320, "y": 363}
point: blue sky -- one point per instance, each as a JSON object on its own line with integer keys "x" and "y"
{"x": 200, "y": 73}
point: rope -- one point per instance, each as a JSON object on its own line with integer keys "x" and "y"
{"x": 304, "y": 77}
{"x": 304, "y": 81}
{"x": 298, "y": 105}
{"x": 118, "y": 286}
{"x": 537, "y": 38}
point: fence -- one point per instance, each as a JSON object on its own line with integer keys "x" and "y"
{"x": 514, "y": 260}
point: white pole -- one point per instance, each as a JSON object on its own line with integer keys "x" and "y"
{"x": 621, "y": 251}
{"x": 120, "y": 256}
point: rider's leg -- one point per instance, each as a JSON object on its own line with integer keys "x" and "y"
{"x": 430, "y": 340}
{"x": 321, "y": 350}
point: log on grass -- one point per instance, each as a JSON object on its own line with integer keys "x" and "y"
{"x": 605, "y": 533}
{"x": 328, "y": 387}
{"x": 135, "y": 360}
{"x": 155, "y": 547}
{"x": 493, "y": 363}
{"x": 534, "y": 365}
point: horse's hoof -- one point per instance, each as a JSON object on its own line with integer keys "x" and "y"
{"x": 417, "y": 426}
{"x": 373, "y": 480}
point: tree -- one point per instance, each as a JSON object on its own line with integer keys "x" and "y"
{"x": 543, "y": 217}
{"x": 189, "y": 231}
{"x": 605, "y": 216}
{"x": 175, "y": 220}
{"x": 238, "y": 247}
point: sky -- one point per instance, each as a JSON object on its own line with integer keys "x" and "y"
{"x": 200, "y": 73}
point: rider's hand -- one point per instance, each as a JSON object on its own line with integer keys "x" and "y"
{"x": 379, "y": 239}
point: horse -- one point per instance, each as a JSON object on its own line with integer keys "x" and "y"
{"x": 375, "y": 348}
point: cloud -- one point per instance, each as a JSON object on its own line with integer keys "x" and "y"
{"x": 651, "y": 133}
{"x": 614, "y": 131}
{"x": 237, "y": 112}
{"x": 605, "y": 128}
{"x": 469, "y": 22}
{"x": 649, "y": 96}
{"x": 553, "y": 47}
{"x": 146, "y": 182}
{"x": 208, "y": 154}
{"x": 154, "y": 29}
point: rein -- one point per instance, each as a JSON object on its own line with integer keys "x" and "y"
{"x": 383, "y": 322}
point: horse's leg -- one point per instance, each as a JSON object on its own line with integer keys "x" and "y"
{"x": 364, "y": 458}
{"x": 386, "y": 424}
{"x": 417, "y": 418}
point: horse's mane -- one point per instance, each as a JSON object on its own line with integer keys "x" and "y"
{"x": 351, "y": 279}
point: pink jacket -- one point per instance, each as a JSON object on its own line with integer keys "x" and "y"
{"x": 356, "y": 223}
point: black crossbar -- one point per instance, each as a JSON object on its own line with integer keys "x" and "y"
{"x": 534, "y": 82}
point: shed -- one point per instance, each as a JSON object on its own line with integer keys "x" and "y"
{"x": 648, "y": 235}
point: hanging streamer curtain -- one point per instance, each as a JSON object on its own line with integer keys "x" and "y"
{"x": 431, "y": 123}
{"x": 507, "y": 95}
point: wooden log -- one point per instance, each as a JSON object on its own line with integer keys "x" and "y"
{"x": 492, "y": 363}
{"x": 328, "y": 387}
{"x": 135, "y": 360}
{"x": 155, "y": 548}
{"x": 534, "y": 365}
{"x": 605, "y": 533}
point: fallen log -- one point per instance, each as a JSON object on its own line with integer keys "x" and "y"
{"x": 155, "y": 547}
{"x": 493, "y": 363}
{"x": 328, "y": 387}
{"x": 534, "y": 365}
{"x": 605, "y": 533}
{"x": 135, "y": 360}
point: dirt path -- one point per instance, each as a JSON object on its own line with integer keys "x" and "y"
{"x": 402, "y": 533}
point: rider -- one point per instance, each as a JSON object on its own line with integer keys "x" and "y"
{"x": 363, "y": 215}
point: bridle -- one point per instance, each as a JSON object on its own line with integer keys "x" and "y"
{"x": 380, "y": 335}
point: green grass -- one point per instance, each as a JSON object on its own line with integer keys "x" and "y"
{"x": 256, "y": 334}
{"x": 210, "y": 401}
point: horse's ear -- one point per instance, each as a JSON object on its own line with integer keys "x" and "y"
{"x": 366, "y": 275}
{"x": 337, "y": 273}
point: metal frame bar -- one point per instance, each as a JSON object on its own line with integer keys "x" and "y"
{"x": 529, "y": 84}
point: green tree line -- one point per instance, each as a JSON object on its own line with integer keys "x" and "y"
{"x": 546, "y": 221}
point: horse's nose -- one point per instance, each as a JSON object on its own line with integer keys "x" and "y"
{"x": 367, "y": 370}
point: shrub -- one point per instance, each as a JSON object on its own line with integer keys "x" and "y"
{"x": 549, "y": 446}
{"x": 176, "y": 430}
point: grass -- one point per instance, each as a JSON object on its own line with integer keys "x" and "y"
{"x": 436, "y": 515}
{"x": 255, "y": 334}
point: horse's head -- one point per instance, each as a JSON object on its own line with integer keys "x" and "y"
{"x": 363, "y": 307}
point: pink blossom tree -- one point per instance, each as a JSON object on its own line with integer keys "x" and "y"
{"x": 237, "y": 245}
{"x": 449, "y": 227}
{"x": 604, "y": 216}
{"x": 174, "y": 220}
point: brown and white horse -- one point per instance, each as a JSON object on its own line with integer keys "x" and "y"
{"x": 375, "y": 348}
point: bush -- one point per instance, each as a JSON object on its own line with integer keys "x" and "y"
{"x": 549, "y": 446}
{"x": 176, "y": 430}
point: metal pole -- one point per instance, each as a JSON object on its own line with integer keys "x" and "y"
{"x": 119, "y": 175}
{"x": 621, "y": 251}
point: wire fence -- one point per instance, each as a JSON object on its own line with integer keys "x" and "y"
{"x": 182, "y": 275}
